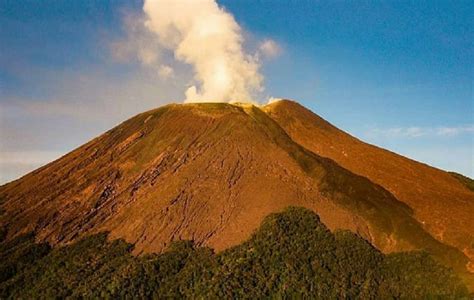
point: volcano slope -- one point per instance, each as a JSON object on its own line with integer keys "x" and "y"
{"x": 442, "y": 202}
{"x": 208, "y": 173}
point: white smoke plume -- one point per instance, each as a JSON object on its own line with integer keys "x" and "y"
{"x": 205, "y": 36}
{"x": 273, "y": 100}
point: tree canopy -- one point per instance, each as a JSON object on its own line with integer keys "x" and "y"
{"x": 291, "y": 255}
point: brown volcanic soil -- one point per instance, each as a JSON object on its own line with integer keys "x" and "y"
{"x": 210, "y": 173}
{"x": 440, "y": 202}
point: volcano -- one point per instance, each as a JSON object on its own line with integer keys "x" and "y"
{"x": 211, "y": 172}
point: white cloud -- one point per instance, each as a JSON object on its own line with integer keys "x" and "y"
{"x": 416, "y": 132}
{"x": 269, "y": 49}
{"x": 453, "y": 131}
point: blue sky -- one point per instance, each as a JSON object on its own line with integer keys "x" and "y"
{"x": 398, "y": 74}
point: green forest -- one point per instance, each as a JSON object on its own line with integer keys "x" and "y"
{"x": 291, "y": 255}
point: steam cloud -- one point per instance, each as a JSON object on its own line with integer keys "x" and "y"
{"x": 202, "y": 34}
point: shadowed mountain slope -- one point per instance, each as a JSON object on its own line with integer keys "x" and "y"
{"x": 440, "y": 201}
{"x": 208, "y": 173}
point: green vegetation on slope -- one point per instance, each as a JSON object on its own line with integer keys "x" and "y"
{"x": 292, "y": 254}
{"x": 19, "y": 254}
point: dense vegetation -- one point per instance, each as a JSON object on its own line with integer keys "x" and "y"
{"x": 292, "y": 254}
